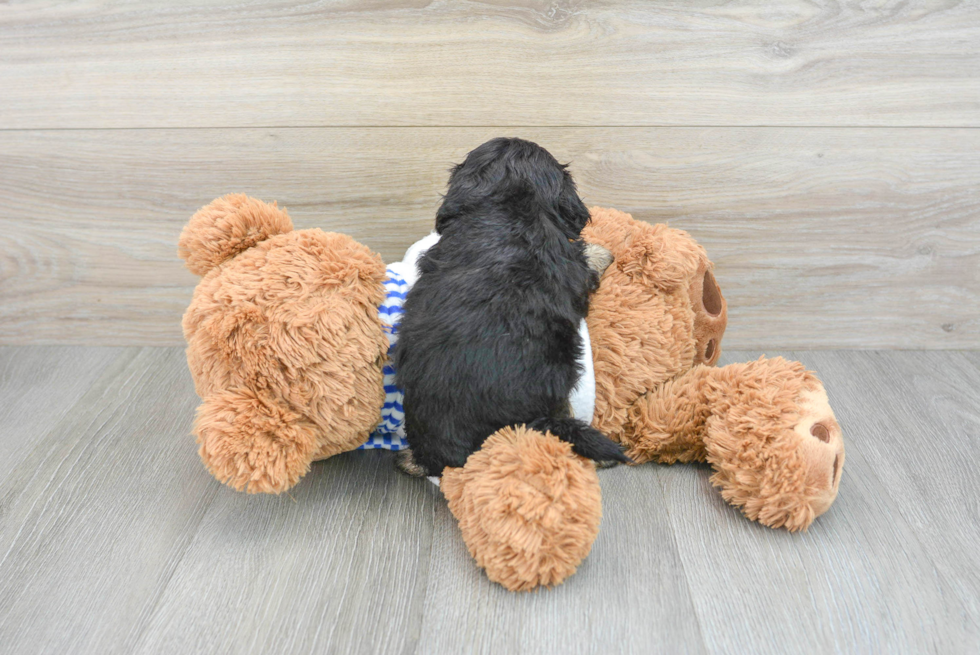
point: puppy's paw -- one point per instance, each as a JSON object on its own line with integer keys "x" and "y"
{"x": 405, "y": 462}
{"x": 598, "y": 257}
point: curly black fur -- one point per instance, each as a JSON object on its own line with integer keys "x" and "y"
{"x": 489, "y": 337}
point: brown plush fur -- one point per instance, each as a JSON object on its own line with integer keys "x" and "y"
{"x": 227, "y": 226}
{"x": 741, "y": 419}
{"x": 642, "y": 319}
{"x": 286, "y": 350}
{"x": 655, "y": 322}
{"x": 283, "y": 341}
{"x": 529, "y": 508}
{"x": 657, "y": 318}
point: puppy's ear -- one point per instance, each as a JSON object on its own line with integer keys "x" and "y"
{"x": 662, "y": 257}
{"x": 573, "y": 212}
{"x": 449, "y": 209}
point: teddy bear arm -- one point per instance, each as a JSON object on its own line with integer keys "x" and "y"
{"x": 667, "y": 424}
{"x": 766, "y": 428}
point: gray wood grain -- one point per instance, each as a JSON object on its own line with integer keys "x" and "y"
{"x": 337, "y": 566}
{"x": 893, "y": 566}
{"x": 38, "y": 387}
{"x": 925, "y": 409}
{"x": 113, "y": 538}
{"x": 823, "y": 238}
{"x": 94, "y": 519}
{"x": 631, "y": 594}
{"x": 514, "y": 62}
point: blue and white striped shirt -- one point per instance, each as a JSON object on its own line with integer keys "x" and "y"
{"x": 390, "y": 433}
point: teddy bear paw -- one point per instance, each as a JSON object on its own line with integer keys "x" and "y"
{"x": 821, "y": 446}
{"x": 528, "y": 507}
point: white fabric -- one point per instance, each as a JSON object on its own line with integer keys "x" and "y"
{"x": 582, "y": 398}
{"x": 408, "y": 267}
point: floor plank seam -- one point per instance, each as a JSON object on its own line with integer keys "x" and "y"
{"x": 147, "y": 615}
{"x": 113, "y": 372}
{"x": 428, "y": 567}
{"x": 680, "y": 560}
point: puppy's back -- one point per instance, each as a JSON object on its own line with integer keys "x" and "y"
{"x": 489, "y": 337}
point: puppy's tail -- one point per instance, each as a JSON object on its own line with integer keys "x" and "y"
{"x": 585, "y": 439}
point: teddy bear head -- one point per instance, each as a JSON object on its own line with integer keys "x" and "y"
{"x": 656, "y": 325}
{"x": 283, "y": 341}
{"x": 658, "y": 312}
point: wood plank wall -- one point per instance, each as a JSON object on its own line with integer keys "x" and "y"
{"x": 826, "y": 154}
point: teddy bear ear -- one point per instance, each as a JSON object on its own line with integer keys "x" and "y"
{"x": 227, "y": 226}
{"x": 662, "y": 257}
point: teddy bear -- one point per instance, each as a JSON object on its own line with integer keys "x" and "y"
{"x": 288, "y": 334}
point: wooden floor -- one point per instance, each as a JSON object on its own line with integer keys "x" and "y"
{"x": 113, "y": 538}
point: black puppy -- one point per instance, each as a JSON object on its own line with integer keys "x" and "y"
{"x": 490, "y": 331}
